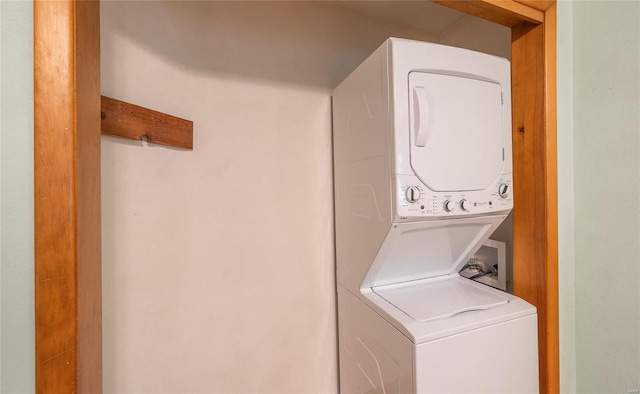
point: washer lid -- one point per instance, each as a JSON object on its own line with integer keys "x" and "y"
{"x": 426, "y": 249}
{"x": 442, "y": 299}
{"x": 457, "y": 129}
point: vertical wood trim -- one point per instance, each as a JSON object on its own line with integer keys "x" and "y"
{"x": 551, "y": 204}
{"x": 529, "y": 156}
{"x": 55, "y": 230}
{"x": 535, "y": 275}
{"x": 67, "y": 197}
{"x": 88, "y": 132}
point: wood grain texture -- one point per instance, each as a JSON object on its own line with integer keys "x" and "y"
{"x": 551, "y": 195}
{"x": 88, "y": 202}
{"x": 535, "y": 203}
{"x": 55, "y": 212}
{"x": 541, "y": 5}
{"x": 130, "y": 121}
{"x": 503, "y": 12}
{"x": 67, "y": 197}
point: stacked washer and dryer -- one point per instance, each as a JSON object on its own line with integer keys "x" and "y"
{"x": 423, "y": 176}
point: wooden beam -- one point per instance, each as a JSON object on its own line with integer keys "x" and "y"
{"x": 552, "y": 325}
{"x": 67, "y": 197}
{"x": 541, "y": 5}
{"x": 503, "y": 12}
{"x": 88, "y": 197}
{"x": 535, "y": 249}
{"x": 130, "y": 121}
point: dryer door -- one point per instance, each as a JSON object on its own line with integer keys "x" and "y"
{"x": 457, "y": 131}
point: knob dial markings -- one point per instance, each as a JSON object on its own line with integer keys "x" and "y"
{"x": 504, "y": 190}
{"x": 448, "y": 205}
{"x": 412, "y": 194}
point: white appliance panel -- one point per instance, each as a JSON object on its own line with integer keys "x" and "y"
{"x": 420, "y": 250}
{"x": 456, "y": 131}
{"x": 439, "y": 299}
{"x": 501, "y": 358}
{"x": 420, "y": 332}
{"x": 431, "y": 204}
{"x": 408, "y": 56}
{"x": 362, "y": 168}
{"x": 420, "y": 183}
{"x": 445, "y": 184}
{"x": 375, "y": 358}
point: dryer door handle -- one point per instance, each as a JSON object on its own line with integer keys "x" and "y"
{"x": 420, "y": 113}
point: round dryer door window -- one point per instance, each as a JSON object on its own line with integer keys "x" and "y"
{"x": 456, "y": 126}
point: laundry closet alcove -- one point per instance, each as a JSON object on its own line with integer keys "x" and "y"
{"x": 217, "y": 266}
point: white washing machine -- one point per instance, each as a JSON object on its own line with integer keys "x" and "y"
{"x": 423, "y": 176}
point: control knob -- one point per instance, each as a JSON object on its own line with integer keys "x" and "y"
{"x": 412, "y": 194}
{"x": 448, "y": 205}
{"x": 464, "y": 204}
{"x": 503, "y": 190}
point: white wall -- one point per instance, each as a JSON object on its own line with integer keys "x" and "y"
{"x": 604, "y": 120}
{"x": 17, "y": 365}
{"x": 218, "y": 266}
{"x": 607, "y": 194}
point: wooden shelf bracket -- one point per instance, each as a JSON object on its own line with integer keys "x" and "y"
{"x": 130, "y": 121}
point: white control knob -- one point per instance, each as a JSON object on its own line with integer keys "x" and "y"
{"x": 503, "y": 190}
{"x": 412, "y": 194}
{"x": 465, "y": 205}
{"x": 448, "y": 205}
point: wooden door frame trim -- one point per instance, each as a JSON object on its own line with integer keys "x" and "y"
{"x": 67, "y": 183}
{"x": 68, "y": 292}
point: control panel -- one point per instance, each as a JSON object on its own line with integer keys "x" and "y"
{"x": 415, "y": 201}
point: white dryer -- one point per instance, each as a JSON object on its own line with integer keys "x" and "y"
{"x": 423, "y": 176}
